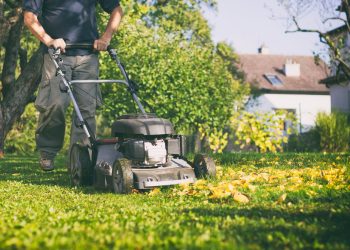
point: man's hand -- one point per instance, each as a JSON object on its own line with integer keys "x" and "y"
{"x": 57, "y": 44}
{"x": 115, "y": 17}
{"x": 101, "y": 44}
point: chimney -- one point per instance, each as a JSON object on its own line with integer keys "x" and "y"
{"x": 291, "y": 68}
{"x": 264, "y": 50}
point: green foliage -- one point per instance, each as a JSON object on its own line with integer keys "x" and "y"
{"x": 334, "y": 131}
{"x": 263, "y": 130}
{"x": 21, "y": 139}
{"x": 181, "y": 77}
{"x": 304, "y": 142}
{"x": 41, "y": 211}
{"x": 217, "y": 139}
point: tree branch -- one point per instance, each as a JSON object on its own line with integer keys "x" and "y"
{"x": 22, "y": 91}
{"x": 11, "y": 4}
{"x": 12, "y": 48}
{"x": 334, "y": 18}
{"x": 23, "y": 58}
{"x": 324, "y": 38}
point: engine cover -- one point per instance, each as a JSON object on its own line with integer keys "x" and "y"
{"x": 141, "y": 125}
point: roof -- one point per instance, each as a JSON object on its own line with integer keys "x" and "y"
{"x": 338, "y": 31}
{"x": 256, "y": 66}
{"x": 338, "y": 79}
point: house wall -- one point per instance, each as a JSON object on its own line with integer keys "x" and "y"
{"x": 340, "y": 98}
{"x": 305, "y": 106}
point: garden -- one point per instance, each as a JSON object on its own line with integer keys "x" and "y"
{"x": 273, "y": 189}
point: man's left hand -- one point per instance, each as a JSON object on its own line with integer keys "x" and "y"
{"x": 101, "y": 45}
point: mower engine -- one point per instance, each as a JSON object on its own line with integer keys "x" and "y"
{"x": 148, "y": 153}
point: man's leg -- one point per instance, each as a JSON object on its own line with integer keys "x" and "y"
{"x": 52, "y": 104}
{"x": 87, "y": 95}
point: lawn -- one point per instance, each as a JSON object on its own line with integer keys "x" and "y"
{"x": 258, "y": 201}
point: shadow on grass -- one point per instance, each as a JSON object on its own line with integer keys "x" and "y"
{"x": 285, "y": 227}
{"x": 26, "y": 169}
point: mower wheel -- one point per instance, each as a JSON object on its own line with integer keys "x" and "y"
{"x": 123, "y": 179}
{"x": 204, "y": 166}
{"x": 81, "y": 172}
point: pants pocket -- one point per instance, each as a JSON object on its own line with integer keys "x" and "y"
{"x": 42, "y": 100}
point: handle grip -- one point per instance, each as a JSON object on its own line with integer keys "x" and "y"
{"x": 79, "y": 46}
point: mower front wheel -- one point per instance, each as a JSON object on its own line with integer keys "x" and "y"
{"x": 80, "y": 169}
{"x": 123, "y": 179}
{"x": 204, "y": 166}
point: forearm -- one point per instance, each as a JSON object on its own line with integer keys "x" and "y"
{"x": 113, "y": 24}
{"x": 33, "y": 24}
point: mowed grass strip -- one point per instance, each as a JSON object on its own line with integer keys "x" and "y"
{"x": 280, "y": 201}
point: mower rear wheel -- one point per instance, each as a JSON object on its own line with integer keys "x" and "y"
{"x": 80, "y": 168}
{"x": 123, "y": 179}
{"x": 204, "y": 166}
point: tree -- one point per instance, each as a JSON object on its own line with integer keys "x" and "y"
{"x": 20, "y": 77}
{"x": 181, "y": 73}
{"x": 329, "y": 11}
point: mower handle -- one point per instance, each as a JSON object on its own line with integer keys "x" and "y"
{"x": 112, "y": 52}
{"x": 83, "y": 46}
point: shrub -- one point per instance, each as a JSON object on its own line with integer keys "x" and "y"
{"x": 266, "y": 131}
{"x": 334, "y": 131}
{"x": 304, "y": 142}
{"x": 21, "y": 139}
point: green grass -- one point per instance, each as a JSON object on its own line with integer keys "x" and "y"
{"x": 41, "y": 210}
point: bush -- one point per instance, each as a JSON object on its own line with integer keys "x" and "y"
{"x": 21, "y": 139}
{"x": 305, "y": 142}
{"x": 334, "y": 131}
{"x": 266, "y": 131}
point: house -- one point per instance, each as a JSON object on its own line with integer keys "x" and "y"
{"x": 337, "y": 83}
{"x": 286, "y": 83}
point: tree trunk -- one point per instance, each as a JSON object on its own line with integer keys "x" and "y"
{"x": 19, "y": 95}
{"x": 16, "y": 93}
{"x": 2, "y": 130}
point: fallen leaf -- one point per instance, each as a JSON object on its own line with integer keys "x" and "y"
{"x": 282, "y": 198}
{"x": 154, "y": 192}
{"x": 241, "y": 198}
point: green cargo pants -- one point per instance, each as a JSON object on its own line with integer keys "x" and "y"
{"x": 52, "y": 103}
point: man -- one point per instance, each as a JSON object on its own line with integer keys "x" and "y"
{"x": 71, "y": 21}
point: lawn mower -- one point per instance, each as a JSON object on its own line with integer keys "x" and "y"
{"x": 143, "y": 152}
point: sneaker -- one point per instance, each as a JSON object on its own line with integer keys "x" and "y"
{"x": 46, "y": 164}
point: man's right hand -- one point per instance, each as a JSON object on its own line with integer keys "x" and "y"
{"x": 32, "y": 22}
{"x": 57, "y": 44}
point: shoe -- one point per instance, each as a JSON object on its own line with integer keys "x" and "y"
{"x": 46, "y": 164}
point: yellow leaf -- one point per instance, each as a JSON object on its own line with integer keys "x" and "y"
{"x": 241, "y": 198}
{"x": 154, "y": 192}
{"x": 252, "y": 187}
{"x": 200, "y": 183}
{"x": 282, "y": 198}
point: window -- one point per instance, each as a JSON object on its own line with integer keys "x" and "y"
{"x": 274, "y": 79}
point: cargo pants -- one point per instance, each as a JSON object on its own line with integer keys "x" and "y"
{"x": 52, "y": 103}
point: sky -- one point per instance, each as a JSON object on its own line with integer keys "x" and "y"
{"x": 247, "y": 24}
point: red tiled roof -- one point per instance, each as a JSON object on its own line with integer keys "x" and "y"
{"x": 256, "y": 66}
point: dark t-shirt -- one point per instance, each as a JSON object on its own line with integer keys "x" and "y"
{"x": 72, "y": 20}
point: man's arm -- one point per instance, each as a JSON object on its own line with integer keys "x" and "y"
{"x": 112, "y": 26}
{"x": 33, "y": 24}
